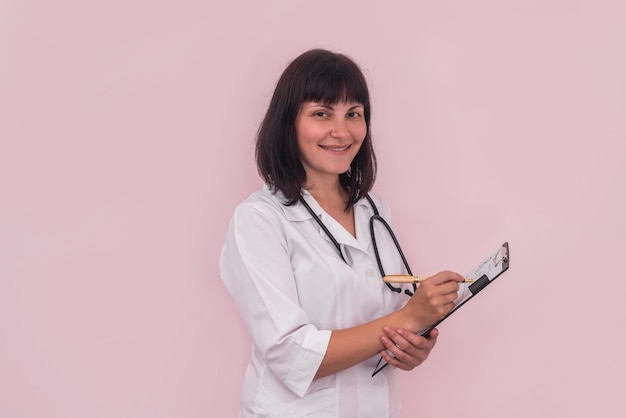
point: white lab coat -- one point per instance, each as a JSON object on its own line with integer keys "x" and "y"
{"x": 291, "y": 288}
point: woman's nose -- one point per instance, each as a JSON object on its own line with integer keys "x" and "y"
{"x": 340, "y": 128}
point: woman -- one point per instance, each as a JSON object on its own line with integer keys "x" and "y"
{"x": 299, "y": 261}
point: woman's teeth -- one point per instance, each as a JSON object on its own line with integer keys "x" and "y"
{"x": 335, "y": 148}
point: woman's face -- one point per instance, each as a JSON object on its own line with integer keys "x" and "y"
{"x": 329, "y": 137}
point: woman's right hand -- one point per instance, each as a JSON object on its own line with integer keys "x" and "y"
{"x": 433, "y": 299}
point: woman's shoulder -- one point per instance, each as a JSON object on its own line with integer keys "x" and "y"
{"x": 379, "y": 201}
{"x": 263, "y": 201}
{"x": 377, "y": 198}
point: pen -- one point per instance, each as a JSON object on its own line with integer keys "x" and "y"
{"x": 407, "y": 278}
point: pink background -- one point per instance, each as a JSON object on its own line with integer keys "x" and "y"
{"x": 126, "y": 132}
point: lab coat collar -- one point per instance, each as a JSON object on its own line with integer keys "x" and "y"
{"x": 297, "y": 211}
{"x": 362, "y": 214}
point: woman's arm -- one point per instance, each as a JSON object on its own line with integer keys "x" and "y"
{"x": 433, "y": 299}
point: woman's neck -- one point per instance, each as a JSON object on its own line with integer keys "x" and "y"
{"x": 333, "y": 198}
{"x": 329, "y": 195}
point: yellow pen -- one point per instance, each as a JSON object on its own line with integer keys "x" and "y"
{"x": 407, "y": 278}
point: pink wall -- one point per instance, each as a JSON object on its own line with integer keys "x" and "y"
{"x": 126, "y": 139}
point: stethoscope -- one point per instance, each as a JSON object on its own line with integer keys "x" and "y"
{"x": 375, "y": 217}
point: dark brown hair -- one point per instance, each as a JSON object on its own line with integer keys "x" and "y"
{"x": 321, "y": 76}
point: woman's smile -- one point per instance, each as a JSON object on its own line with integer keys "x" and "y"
{"x": 335, "y": 148}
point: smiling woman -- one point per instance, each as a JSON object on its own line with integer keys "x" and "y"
{"x": 329, "y": 137}
{"x": 325, "y": 79}
{"x": 319, "y": 321}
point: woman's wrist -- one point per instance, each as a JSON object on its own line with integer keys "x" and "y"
{"x": 410, "y": 319}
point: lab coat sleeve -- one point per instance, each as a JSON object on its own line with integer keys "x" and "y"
{"x": 256, "y": 269}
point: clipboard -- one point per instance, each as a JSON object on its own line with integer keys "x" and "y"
{"x": 485, "y": 273}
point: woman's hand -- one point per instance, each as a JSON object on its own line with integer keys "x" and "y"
{"x": 433, "y": 299}
{"x": 408, "y": 350}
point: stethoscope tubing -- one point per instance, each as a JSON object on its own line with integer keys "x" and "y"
{"x": 375, "y": 217}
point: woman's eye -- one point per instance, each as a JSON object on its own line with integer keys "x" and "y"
{"x": 320, "y": 114}
{"x": 353, "y": 115}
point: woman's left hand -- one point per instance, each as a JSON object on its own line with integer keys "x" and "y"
{"x": 409, "y": 349}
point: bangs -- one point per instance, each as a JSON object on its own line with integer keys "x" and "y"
{"x": 335, "y": 81}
